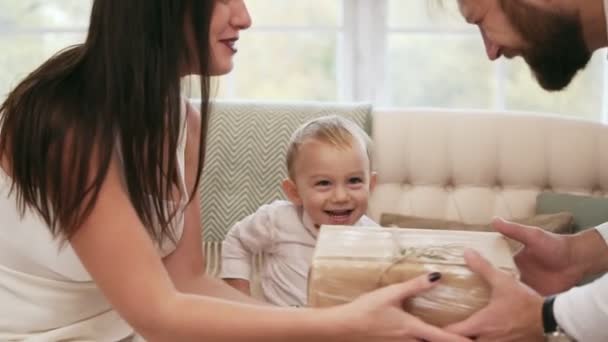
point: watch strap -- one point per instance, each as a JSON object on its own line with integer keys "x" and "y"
{"x": 549, "y": 322}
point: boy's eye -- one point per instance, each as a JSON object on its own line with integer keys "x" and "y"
{"x": 355, "y": 180}
{"x": 322, "y": 183}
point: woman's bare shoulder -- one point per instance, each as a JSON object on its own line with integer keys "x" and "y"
{"x": 193, "y": 120}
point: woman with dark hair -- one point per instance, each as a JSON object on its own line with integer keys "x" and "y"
{"x": 100, "y": 159}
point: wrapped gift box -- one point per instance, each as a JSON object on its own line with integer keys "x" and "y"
{"x": 350, "y": 261}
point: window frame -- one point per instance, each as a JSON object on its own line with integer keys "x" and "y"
{"x": 362, "y": 53}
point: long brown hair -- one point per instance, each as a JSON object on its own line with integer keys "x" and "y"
{"x": 119, "y": 90}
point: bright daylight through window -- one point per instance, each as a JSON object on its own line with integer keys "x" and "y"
{"x": 398, "y": 53}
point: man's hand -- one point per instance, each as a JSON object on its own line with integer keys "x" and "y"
{"x": 548, "y": 262}
{"x": 379, "y": 315}
{"x": 513, "y": 313}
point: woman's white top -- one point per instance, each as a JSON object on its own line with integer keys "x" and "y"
{"x": 45, "y": 292}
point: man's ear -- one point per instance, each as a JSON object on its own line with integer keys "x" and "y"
{"x": 291, "y": 191}
{"x": 373, "y": 177}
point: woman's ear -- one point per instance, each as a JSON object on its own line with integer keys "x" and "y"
{"x": 291, "y": 191}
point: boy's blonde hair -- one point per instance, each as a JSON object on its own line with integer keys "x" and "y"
{"x": 334, "y": 130}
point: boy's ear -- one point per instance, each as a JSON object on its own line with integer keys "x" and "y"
{"x": 291, "y": 191}
{"x": 373, "y": 177}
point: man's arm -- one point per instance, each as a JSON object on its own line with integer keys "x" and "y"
{"x": 582, "y": 312}
{"x": 591, "y": 250}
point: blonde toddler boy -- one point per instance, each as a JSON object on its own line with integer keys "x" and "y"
{"x": 329, "y": 181}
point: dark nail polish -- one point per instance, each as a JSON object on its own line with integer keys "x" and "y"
{"x": 433, "y": 277}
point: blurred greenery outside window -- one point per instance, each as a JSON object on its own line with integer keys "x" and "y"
{"x": 396, "y": 53}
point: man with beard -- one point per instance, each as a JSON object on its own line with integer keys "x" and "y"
{"x": 556, "y": 38}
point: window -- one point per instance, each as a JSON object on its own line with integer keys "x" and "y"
{"x": 33, "y": 30}
{"x": 291, "y": 53}
{"x": 389, "y": 52}
{"x": 435, "y": 59}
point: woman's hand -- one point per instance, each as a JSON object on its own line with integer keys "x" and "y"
{"x": 379, "y": 315}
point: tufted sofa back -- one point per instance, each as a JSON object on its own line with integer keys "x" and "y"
{"x": 470, "y": 166}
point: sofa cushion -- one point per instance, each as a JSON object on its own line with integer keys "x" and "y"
{"x": 560, "y": 223}
{"x": 588, "y": 211}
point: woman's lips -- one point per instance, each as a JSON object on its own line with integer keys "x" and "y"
{"x": 230, "y": 44}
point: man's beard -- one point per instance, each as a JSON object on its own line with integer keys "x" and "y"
{"x": 557, "y": 49}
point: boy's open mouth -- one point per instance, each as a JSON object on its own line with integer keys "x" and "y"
{"x": 343, "y": 212}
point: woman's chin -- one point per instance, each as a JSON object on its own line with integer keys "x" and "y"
{"x": 223, "y": 69}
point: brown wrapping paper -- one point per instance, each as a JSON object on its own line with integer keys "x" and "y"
{"x": 350, "y": 261}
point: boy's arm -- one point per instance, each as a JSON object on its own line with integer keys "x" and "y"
{"x": 249, "y": 237}
{"x": 239, "y": 284}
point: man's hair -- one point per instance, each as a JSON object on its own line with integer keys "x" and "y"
{"x": 333, "y": 130}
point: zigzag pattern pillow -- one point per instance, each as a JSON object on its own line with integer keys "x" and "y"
{"x": 245, "y": 156}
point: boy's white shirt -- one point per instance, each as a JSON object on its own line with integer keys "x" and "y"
{"x": 286, "y": 236}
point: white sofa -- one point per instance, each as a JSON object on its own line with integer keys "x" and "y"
{"x": 462, "y": 165}
{"x": 469, "y": 166}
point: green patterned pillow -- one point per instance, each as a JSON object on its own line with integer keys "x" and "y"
{"x": 245, "y": 160}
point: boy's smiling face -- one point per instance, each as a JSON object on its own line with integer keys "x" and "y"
{"x": 332, "y": 183}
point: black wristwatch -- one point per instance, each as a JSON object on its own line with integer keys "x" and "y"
{"x": 549, "y": 322}
{"x": 552, "y": 330}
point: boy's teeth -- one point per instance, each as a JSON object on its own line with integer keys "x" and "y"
{"x": 339, "y": 212}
